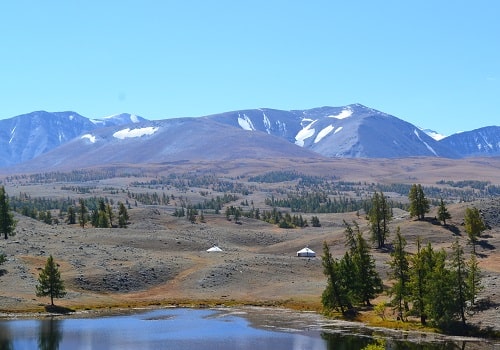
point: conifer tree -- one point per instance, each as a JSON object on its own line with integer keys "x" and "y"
{"x": 102, "y": 219}
{"x": 315, "y": 221}
{"x": 443, "y": 213}
{"x": 400, "y": 274}
{"x": 379, "y": 216}
{"x": 71, "y": 215}
{"x": 122, "y": 216}
{"x": 363, "y": 281}
{"x": 7, "y": 222}
{"x": 473, "y": 278}
{"x": 369, "y": 281}
{"x": 460, "y": 286}
{"x": 109, "y": 212}
{"x": 50, "y": 282}
{"x": 82, "y": 213}
{"x": 439, "y": 296}
{"x": 335, "y": 295}
{"x": 48, "y": 217}
{"x": 419, "y": 205}
{"x": 421, "y": 264}
{"x": 237, "y": 215}
{"x": 474, "y": 226}
{"x": 349, "y": 279}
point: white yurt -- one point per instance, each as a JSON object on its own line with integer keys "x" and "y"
{"x": 214, "y": 249}
{"x": 306, "y": 252}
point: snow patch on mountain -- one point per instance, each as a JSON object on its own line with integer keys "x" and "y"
{"x": 338, "y": 129}
{"x": 305, "y": 133}
{"x": 245, "y": 122}
{"x": 425, "y": 143}
{"x": 128, "y": 133}
{"x": 346, "y": 113}
{"x": 89, "y": 137}
{"x": 435, "y": 135}
{"x": 323, "y": 133}
{"x": 12, "y": 134}
{"x": 267, "y": 123}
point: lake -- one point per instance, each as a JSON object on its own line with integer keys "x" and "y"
{"x": 183, "y": 328}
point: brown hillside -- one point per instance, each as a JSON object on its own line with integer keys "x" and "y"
{"x": 160, "y": 258}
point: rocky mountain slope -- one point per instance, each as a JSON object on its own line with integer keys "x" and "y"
{"x": 170, "y": 140}
{"x": 480, "y": 142}
{"x": 27, "y": 136}
{"x": 353, "y": 131}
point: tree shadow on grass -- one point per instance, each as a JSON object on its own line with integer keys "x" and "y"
{"x": 486, "y": 245}
{"x": 453, "y": 229}
{"x": 56, "y": 309}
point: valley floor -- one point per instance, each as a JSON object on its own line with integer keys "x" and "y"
{"x": 162, "y": 260}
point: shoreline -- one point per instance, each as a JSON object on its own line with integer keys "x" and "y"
{"x": 253, "y": 311}
{"x": 275, "y": 318}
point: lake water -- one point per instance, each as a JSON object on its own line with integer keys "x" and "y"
{"x": 183, "y": 329}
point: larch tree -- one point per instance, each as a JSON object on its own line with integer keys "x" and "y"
{"x": 7, "y": 222}
{"x": 369, "y": 282}
{"x": 400, "y": 273}
{"x": 473, "y": 278}
{"x": 82, "y": 213}
{"x": 439, "y": 296}
{"x": 474, "y": 226}
{"x": 122, "y": 216}
{"x": 419, "y": 204}
{"x": 71, "y": 216}
{"x": 443, "y": 213}
{"x": 362, "y": 278}
{"x": 50, "y": 282}
{"x": 460, "y": 286}
{"x": 380, "y": 214}
{"x": 111, "y": 215}
{"x": 335, "y": 295}
{"x": 421, "y": 264}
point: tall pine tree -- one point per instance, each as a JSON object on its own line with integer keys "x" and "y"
{"x": 419, "y": 204}
{"x": 400, "y": 273}
{"x": 335, "y": 296}
{"x": 50, "y": 282}
{"x": 82, "y": 213}
{"x": 379, "y": 216}
{"x": 122, "y": 216}
{"x": 7, "y": 222}
{"x": 443, "y": 213}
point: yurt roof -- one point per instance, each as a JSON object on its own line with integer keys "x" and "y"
{"x": 306, "y": 250}
{"x": 214, "y": 249}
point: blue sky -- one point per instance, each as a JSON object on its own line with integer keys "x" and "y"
{"x": 433, "y": 63}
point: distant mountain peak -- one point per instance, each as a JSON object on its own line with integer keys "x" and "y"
{"x": 434, "y": 134}
{"x": 118, "y": 119}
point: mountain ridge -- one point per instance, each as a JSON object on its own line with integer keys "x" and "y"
{"x": 352, "y": 131}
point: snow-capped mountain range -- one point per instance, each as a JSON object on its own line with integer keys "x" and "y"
{"x": 43, "y": 140}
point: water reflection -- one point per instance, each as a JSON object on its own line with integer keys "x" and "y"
{"x": 5, "y": 337}
{"x": 50, "y": 334}
{"x": 340, "y": 341}
{"x": 197, "y": 329}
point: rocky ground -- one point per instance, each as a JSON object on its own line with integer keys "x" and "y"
{"x": 161, "y": 259}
